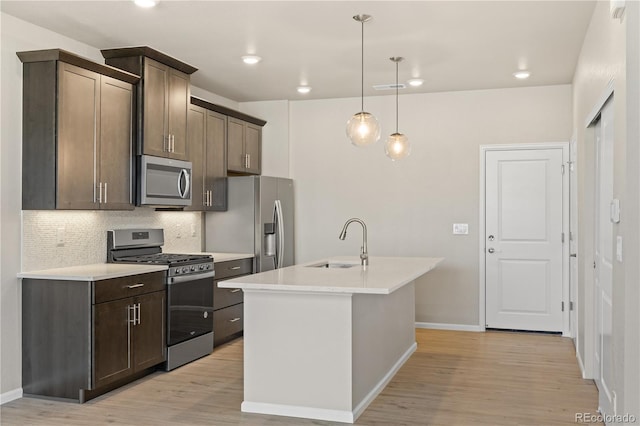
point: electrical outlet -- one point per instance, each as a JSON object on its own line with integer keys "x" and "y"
{"x": 178, "y": 230}
{"x": 460, "y": 229}
{"x": 60, "y": 236}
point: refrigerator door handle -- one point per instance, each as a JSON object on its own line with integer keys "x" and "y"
{"x": 280, "y": 235}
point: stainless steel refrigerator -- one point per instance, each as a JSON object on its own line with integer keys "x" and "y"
{"x": 259, "y": 220}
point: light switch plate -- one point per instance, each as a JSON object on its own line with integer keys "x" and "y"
{"x": 460, "y": 229}
{"x": 619, "y": 248}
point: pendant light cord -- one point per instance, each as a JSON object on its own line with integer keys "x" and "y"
{"x": 362, "y": 70}
{"x": 396, "y": 96}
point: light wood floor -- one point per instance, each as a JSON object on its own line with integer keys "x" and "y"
{"x": 454, "y": 378}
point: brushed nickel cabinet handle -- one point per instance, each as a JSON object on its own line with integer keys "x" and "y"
{"x": 139, "y": 313}
{"x": 235, "y": 290}
{"x": 234, "y": 268}
{"x": 135, "y": 285}
{"x": 105, "y": 192}
{"x": 129, "y": 319}
{"x": 234, "y": 320}
{"x": 100, "y": 193}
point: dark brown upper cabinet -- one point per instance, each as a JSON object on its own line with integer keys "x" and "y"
{"x": 77, "y": 133}
{"x": 207, "y": 135}
{"x": 244, "y": 145}
{"x": 162, "y": 99}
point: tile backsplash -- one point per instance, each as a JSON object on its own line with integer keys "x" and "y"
{"x": 54, "y": 239}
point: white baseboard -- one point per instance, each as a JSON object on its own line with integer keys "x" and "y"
{"x": 580, "y": 364}
{"x": 343, "y": 416}
{"x": 10, "y": 396}
{"x": 453, "y": 327}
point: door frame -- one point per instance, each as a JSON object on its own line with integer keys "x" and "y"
{"x": 586, "y": 274}
{"x": 565, "y": 226}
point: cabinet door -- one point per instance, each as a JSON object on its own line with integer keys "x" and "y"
{"x": 115, "y": 143}
{"x": 216, "y": 161}
{"x": 235, "y": 145}
{"x": 155, "y": 104}
{"x": 112, "y": 322}
{"x": 78, "y": 117}
{"x": 150, "y": 331}
{"x": 196, "y": 139}
{"x": 253, "y": 148}
{"x": 179, "y": 97}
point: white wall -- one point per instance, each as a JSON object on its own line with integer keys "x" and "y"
{"x": 410, "y": 205}
{"x": 631, "y": 397}
{"x": 611, "y": 52}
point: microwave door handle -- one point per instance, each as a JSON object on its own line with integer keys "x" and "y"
{"x": 184, "y": 175}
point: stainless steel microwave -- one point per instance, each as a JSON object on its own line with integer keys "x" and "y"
{"x": 163, "y": 182}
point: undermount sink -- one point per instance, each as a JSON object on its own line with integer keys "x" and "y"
{"x": 333, "y": 265}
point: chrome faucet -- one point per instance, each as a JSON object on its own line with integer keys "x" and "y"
{"x": 364, "y": 256}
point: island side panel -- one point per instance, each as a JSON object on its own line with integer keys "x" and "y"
{"x": 297, "y": 354}
{"x": 383, "y": 339}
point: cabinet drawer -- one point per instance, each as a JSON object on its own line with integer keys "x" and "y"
{"x": 223, "y": 297}
{"x": 133, "y": 285}
{"x": 227, "y": 322}
{"x": 233, "y": 268}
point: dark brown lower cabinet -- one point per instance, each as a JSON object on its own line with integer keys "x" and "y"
{"x": 127, "y": 337}
{"x": 228, "y": 306}
{"x": 83, "y": 338}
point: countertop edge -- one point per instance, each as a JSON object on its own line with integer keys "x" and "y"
{"x": 73, "y": 273}
{"x": 258, "y": 287}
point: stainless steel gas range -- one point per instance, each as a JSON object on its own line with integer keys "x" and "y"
{"x": 189, "y": 290}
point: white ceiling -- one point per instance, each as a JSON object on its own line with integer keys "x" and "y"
{"x": 452, "y": 45}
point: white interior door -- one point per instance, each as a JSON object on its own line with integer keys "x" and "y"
{"x": 603, "y": 262}
{"x": 524, "y": 239}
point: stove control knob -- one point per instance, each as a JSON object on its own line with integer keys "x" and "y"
{"x": 193, "y": 268}
{"x": 185, "y": 269}
{"x": 201, "y": 267}
{"x": 208, "y": 266}
{"x": 177, "y": 270}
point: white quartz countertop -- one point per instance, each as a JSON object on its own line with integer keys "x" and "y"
{"x": 383, "y": 275}
{"x": 93, "y": 272}
{"x": 224, "y": 257}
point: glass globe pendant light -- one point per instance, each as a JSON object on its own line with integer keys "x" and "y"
{"x": 363, "y": 128}
{"x": 397, "y": 145}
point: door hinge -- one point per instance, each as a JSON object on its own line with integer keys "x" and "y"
{"x": 594, "y": 264}
{"x": 562, "y": 168}
{"x": 570, "y": 236}
{"x": 571, "y": 306}
{"x": 562, "y": 237}
{"x": 562, "y": 306}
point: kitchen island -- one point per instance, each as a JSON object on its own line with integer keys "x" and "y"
{"x": 322, "y": 339}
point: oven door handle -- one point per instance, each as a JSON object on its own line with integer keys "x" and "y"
{"x": 194, "y": 277}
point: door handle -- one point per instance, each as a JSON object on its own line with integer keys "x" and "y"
{"x": 573, "y": 255}
{"x": 491, "y": 250}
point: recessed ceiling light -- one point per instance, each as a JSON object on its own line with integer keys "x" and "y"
{"x": 145, "y": 3}
{"x": 304, "y": 89}
{"x": 522, "y": 74}
{"x": 251, "y": 59}
{"x": 415, "y": 82}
